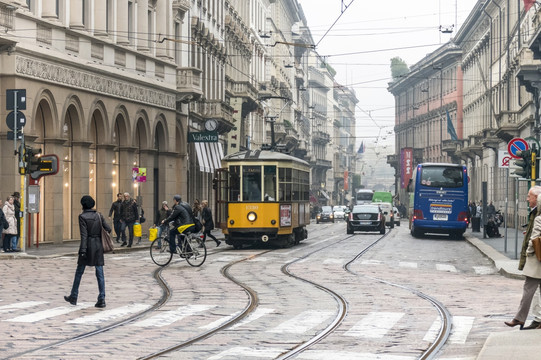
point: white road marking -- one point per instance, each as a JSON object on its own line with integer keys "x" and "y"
{"x": 245, "y": 352}
{"x": 49, "y": 313}
{"x": 333, "y": 261}
{"x": 375, "y": 325}
{"x": 260, "y": 312}
{"x": 445, "y": 267}
{"x": 409, "y": 265}
{"x": 483, "y": 270}
{"x": 169, "y": 317}
{"x": 308, "y": 245}
{"x": 228, "y": 258}
{"x": 220, "y": 321}
{"x": 302, "y": 322}
{"x": 347, "y": 355}
{"x": 371, "y": 262}
{"x": 462, "y": 326}
{"x": 432, "y": 333}
{"x": 20, "y": 305}
{"x": 110, "y": 314}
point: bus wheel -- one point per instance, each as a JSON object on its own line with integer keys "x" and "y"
{"x": 415, "y": 233}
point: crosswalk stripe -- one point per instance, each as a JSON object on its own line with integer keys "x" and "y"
{"x": 483, "y": 270}
{"x": 374, "y": 325}
{"x": 462, "y": 326}
{"x": 432, "y": 333}
{"x": 333, "y": 261}
{"x": 406, "y": 264}
{"x": 445, "y": 267}
{"x": 260, "y": 312}
{"x": 240, "y": 352}
{"x": 220, "y": 321}
{"x": 171, "y": 316}
{"x": 302, "y": 322}
{"x": 20, "y": 305}
{"x": 371, "y": 262}
{"x": 46, "y": 314}
{"x": 109, "y": 314}
{"x": 348, "y": 355}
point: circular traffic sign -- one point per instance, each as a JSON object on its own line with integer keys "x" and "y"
{"x": 10, "y": 120}
{"x": 517, "y": 144}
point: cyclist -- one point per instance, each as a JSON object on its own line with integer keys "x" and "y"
{"x": 181, "y": 215}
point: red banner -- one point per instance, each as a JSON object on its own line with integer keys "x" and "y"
{"x": 528, "y": 4}
{"x": 406, "y": 159}
{"x": 346, "y": 180}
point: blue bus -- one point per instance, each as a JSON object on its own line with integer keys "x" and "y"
{"x": 440, "y": 199}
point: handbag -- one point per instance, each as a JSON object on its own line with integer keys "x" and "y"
{"x": 5, "y": 223}
{"x": 152, "y": 233}
{"x": 106, "y": 240}
{"x": 537, "y": 247}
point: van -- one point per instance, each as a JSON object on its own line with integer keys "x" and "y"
{"x": 363, "y": 196}
{"x": 382, "y": 196}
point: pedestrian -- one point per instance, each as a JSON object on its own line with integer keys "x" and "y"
{"x": 115, "y": 211}
{"x": 491, "y": 210}
{"x": 3, "y": 221}
{"x": 196, "y": 209}
{"x": 10, "y": 234}
{"x": 529, "y": 264}
{"x": 208, "y": 223}
{"x": 90, "y": 250}
{"x": 130, "y": 214}
{"x": 17, "y": 204}
{"x": 162, "y": 214}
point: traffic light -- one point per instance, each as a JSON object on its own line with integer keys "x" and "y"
{"x": 38, "y": 166}
{"x": 523, "y": 166}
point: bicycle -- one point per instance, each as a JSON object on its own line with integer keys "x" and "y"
{"x": 190, "y": 247}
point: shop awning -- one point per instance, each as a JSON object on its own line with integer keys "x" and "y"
{"x": 209, "y": 156}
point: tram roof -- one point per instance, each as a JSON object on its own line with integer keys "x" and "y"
{"x": 262, "y": 155}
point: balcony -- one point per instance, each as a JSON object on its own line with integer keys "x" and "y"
{"x": 182, "y": 5}
{"x": 321, "y": 137}
{"x": 449, "y": 146}
{"x": 188, "y": 84}
{"x": 214, "y": 109}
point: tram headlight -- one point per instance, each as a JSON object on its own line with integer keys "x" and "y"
{"x": 252, "y": 216}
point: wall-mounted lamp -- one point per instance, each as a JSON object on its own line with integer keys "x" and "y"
{"x": 264, "y": 35}
{"x": 424, "y": 90}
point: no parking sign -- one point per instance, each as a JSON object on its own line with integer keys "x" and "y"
{"x": 515, "y": 145}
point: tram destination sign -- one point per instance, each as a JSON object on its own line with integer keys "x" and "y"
{"x": 207, "y": 136}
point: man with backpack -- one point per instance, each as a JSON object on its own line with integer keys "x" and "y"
{"x": 181, "y": 215}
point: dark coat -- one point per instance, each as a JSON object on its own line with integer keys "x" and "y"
{"x": 129, "y": 211}
{"x": 89, "y": 226}
{"x": 180, "y": 215}
{"x": 206, "y": 215}
{"x": 531, "y": 220}
{"x": 115, "y": 210}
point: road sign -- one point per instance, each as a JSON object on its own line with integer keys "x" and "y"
{"x": 517, "y": 144}
{"x": 18, "y": 95}
{"x": 10, "y": 120}
{"x": 11, "y": 135}
{"x": 503, "y": 159}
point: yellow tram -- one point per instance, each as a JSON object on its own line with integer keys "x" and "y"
{"x": 263, "y": 197}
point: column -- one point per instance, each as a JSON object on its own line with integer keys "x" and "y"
{"x": 161, "y": 28}
{"x": 51, "y": 225}
{"x": 76, "y": 14}
{"x": 104, "y": 178}
{"x": 79, "y": 182}
{"x": 100, "y": 17}
{"x": 49, "y": 9}
{"x": 142, "y": 25}
{"x": 122, "y": 22}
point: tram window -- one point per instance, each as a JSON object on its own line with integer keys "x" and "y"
{"x": 234, "y": 183}
{"x": 296, "y": 192}
{"x": 251, "y": 183}
{"x": 269, "y": 180}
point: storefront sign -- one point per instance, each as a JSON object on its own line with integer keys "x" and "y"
{"x": 139, "y": 174}
{"x": 208, "y": 136}
{"x": 406, "y": 160}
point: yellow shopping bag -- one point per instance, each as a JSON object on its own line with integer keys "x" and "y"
{"x": 152, "y": 233}
{"x": 137, "y": 230}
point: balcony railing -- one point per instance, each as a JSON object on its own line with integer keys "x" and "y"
{"x": 213, "y": 109}
{"x": 321, "y": 137}
{"x": 188, "y": 84}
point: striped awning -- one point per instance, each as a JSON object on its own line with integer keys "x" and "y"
{"x": 209, "y": 156}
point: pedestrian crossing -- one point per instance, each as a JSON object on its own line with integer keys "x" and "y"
{"x": 479, "y": 270}
{"x": 374, "y": 325}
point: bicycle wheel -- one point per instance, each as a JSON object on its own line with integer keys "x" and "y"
{"x": 160, "y": 255}
{"x": 195, "y": 251}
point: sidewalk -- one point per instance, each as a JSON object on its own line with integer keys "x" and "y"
{"x": 505, "y": 345}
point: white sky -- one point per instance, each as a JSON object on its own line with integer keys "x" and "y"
{"x": 382, "y": 30}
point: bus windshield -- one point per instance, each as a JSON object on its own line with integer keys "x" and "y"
{"x": 367, "y": 196}
{"x": 442, "y": 177}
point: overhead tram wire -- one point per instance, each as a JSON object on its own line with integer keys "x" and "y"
{"x": 334, "y": 23}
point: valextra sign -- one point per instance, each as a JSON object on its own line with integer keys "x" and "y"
{"x": 208, "y": 136}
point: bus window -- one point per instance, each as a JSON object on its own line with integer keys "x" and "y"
{"x": 269, "y": 188}
{"x": 251, "y": 183}
{"x": 234, "y": 183}
{"x": 435, "y": 176}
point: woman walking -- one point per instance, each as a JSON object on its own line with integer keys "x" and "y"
{"x": 10, "y": 234}
{"x": 207, "y": 221}
{"x": 90, "y": 250}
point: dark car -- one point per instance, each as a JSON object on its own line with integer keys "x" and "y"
{"x": 325, "y": 215}
{"x": 366, "y": 218}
